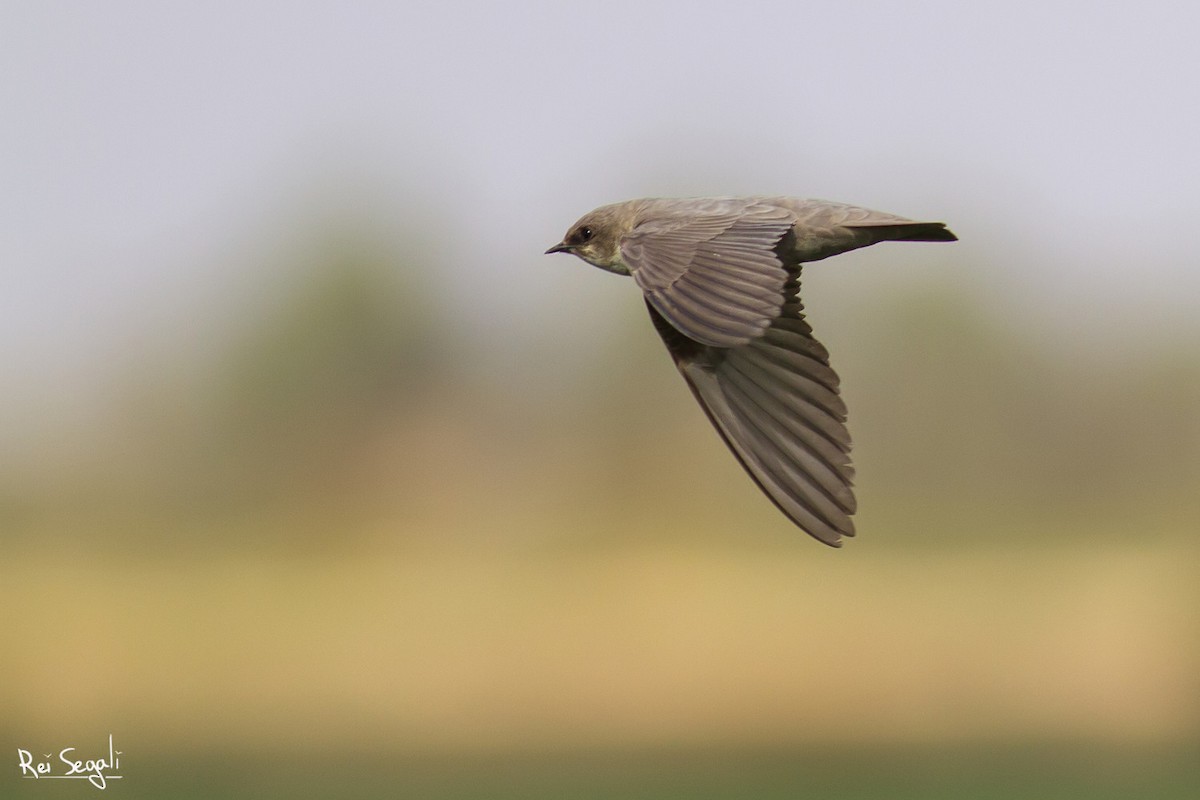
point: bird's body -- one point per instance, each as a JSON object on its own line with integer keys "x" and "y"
{"x": 721, "y": 278}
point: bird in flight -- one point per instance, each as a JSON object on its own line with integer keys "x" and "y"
{"x": 721, "y": 278}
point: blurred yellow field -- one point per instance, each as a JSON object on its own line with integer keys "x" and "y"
{"x": 636, "y": 644}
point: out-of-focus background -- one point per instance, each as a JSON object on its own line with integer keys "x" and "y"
{"x": 318, "y": 479}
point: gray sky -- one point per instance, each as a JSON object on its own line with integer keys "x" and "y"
{"x": 147, "y": 150}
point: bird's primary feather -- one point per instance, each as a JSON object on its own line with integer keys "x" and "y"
{"x": 775, "y": 403}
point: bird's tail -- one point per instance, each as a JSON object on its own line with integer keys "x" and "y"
{"x": 911, "y": 232}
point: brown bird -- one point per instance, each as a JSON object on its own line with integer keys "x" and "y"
{"x": 721, "y": 277}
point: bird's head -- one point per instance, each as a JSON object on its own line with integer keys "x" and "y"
{"x": 596, "y": 238}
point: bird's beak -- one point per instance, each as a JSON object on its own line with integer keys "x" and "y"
{"x": 561, "y": 247}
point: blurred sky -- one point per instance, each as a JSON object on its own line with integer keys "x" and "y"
{"x": 149, "y": 152}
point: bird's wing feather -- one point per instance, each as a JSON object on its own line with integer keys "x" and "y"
{"x": 721, "y": 279}
{"x": 716, "y": 277}
{"x": 775, "y": 403}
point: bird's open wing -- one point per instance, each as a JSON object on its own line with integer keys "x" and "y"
{"x": 716, "y": 276}
{"x": 722, "y": 283}
{"x": 775, "y": 403}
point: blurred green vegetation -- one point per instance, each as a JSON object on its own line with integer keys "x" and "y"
{"x": 346, "y": 385}
{"x": 998, "y": 772}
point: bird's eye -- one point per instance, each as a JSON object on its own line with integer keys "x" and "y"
{"x": 585, "y": 233}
